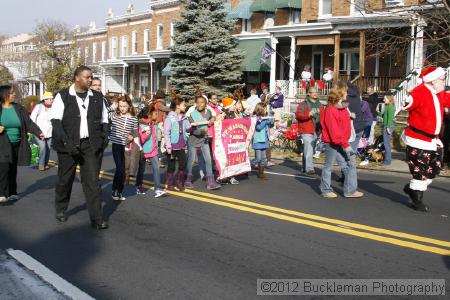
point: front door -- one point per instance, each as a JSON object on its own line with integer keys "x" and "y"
{"x": 317, "y": 65}
{"x": 143, "y": 79}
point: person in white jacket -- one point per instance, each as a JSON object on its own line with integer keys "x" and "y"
{"x": 41, "y": 116}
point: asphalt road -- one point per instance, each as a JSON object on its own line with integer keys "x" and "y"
{"x": 202, "y": 245}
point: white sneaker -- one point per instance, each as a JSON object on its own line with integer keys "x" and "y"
{"x": 202, "y": 175}
{"x": 14, "y": 197}
{"x": 364, "y": 163}
{"x": 270, "y": 163}
{"x": 234, "y": 181}
{"x": 160, "y": 193}
{"x": 3, "y": 199}
{"x": 316, "y": 155}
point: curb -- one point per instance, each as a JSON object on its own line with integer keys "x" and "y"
{"x": 368, "y": 168}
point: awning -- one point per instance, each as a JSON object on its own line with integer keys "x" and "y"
{"x": 252, "y": 55}
{"x": 263, "y": 5}
{"x": 315, "y": 40}
{"x": 241, "y": 11}
{"x": 297, "y": 4}
{"x": 167, "y": 71}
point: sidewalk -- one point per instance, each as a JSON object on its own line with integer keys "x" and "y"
{"x": 398, "y": 164}
{"x": 17, "y": 282}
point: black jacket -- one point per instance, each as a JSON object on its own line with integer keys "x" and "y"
{"x": 373, "y": 102}
{"x": 26, "y": 126}
{"x": 354, "y": 101}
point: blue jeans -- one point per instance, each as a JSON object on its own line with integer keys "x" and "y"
{"x": 355, "y": 143}
{"x": 261, "y": 157}
{"x": 192, "y": 153}
{"x": 387, "y": 145}
{"x": 333, "y": 153}
{"x": 44, "y": 150}
{"x": 155, "y": 169}
{"x": 309, "y": 144}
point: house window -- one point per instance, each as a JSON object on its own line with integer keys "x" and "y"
{"x": 146, "y": 40}
{"x": 134, "y": 43}
{"x": 172, "y": 33}
{"x": 94, "y": 53}
{"x": 113, "y": 48}
{"x": 86, "y": 55}
{"x": 325, "y": 7}
{"x": 357, "y": 6}
{"x": 104, "y": 51}
{"x": 246, "y": 25}
{"x": 159, "y": 36}
{"x": 295, "y": 16}
{"x": 268, "y": 15}
{"x": 124, "y": 45}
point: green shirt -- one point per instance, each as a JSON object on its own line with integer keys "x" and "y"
{"x": 388, "y": 116}
{"x": 10, "y": 120}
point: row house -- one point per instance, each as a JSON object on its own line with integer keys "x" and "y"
{"x": 131, "y": 53}
{"x": 17, "y": 54}
{"x": 325, "y": 34}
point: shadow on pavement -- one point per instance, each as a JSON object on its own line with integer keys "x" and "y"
{"x": 66, "y": 251}
{"x": 446, "y": 260}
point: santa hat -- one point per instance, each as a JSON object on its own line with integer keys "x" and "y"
{"x": 431, "y": 73}
{"x": 228, "y": 102}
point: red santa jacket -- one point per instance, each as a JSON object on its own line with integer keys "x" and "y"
{"x": 426, "y": 111}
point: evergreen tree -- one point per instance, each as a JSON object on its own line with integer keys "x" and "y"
{"x": 204, "y": 54}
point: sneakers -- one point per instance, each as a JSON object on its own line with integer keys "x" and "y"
{"x": 41, "y": 168}
{"x": 234, "y": 181}
{"x": 270, "y": 163}
{"x": 160, "y": 193}
{"x": 140, "y": 190}
{"x": 356, "y": 194}
{"x": 118, "y": 196}
{"x": 3, "y": 199}
{"x": 188, "y": 183}
{"x": 310, "y": 173}
{"x": 202, "y": 176}
{"x": 14, "y": 197}
{"x": 330, "y": 195}
{"x": 364, "y": 163}
{"x": 317, "y": 155}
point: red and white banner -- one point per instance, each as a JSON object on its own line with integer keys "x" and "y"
{"x": 231, "y": 142}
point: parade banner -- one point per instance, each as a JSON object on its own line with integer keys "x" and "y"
{"x": 232, "y": 139}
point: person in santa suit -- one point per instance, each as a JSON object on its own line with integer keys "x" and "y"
{"x": 425, "y": 105}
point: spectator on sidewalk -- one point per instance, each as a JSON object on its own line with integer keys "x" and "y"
{"x": 252, "y": 101}
{"x": 336, "y": 131}
{"x": 15, "y": 150}
{"x": 276, "y": 103}
{"x": 41, "y": 116}
{"x": 265, "y": 94}
{"x": 308, "y": 117}
{"x": 388, "y": 115}
{"x": 374, "y": 102}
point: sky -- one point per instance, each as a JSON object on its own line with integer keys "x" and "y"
{"x": 20, "y": 16}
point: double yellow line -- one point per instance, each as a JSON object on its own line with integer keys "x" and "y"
{"x": 397, "y": 238}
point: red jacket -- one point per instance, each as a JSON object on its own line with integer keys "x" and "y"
{"x": 305, "y": 122}
{"x": 336, "y": 125}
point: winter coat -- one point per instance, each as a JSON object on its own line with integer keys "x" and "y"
{"x": 354, "y": 101}
{"x": 336, "y": 125}
{"x": 305, "y": 121}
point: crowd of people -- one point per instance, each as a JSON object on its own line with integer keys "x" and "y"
{"x": 80, "y": 122}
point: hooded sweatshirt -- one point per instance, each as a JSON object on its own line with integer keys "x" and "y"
{"x": 336, "y": 125}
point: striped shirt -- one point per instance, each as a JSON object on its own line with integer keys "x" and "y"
{"x": 121, "y": 127}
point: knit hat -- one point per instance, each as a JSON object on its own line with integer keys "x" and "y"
{"x": 47, "y": 95}
{"x": 431, "y": 73}
{"x": 228, "y": 102}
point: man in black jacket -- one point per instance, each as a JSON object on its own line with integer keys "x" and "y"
{"x": 80, "y": 134}
{"x": 359, "y": 123}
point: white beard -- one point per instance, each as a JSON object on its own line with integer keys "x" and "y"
{"x": 438, "y": 85}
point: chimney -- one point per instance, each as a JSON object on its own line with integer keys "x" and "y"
{"x": 110, "y": 13}
{"x": 130, "y": 8}
{"x": 92, "y": 25}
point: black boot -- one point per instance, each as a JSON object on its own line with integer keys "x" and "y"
{"x": 416, "y": 198}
